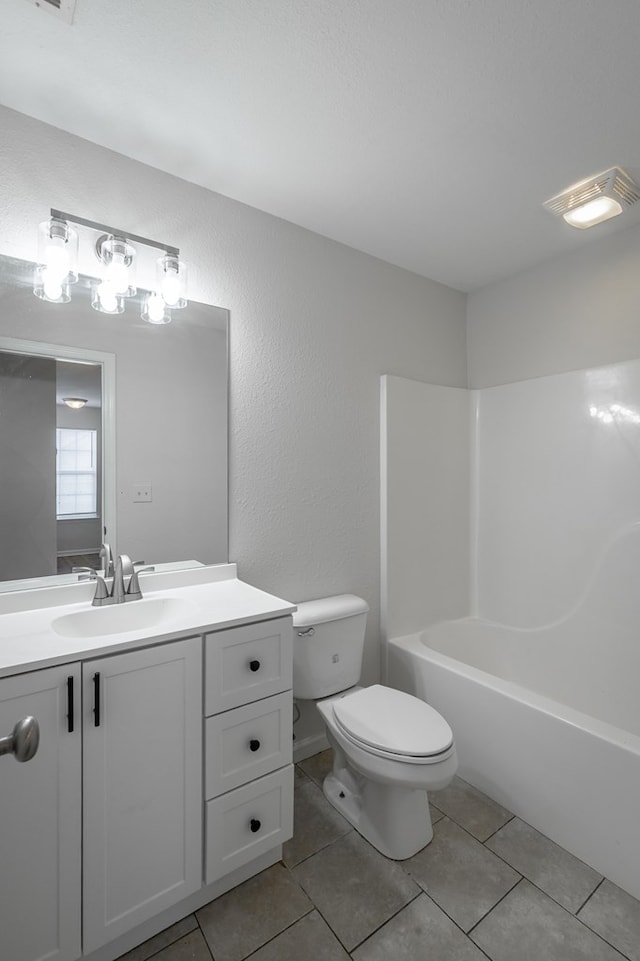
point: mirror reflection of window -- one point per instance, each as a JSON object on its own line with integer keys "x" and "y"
{"x": 76, "y": 472}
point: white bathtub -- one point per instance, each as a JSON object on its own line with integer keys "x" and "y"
{"x": 521, "y": 704}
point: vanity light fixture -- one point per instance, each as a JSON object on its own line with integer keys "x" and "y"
{"x": 57, "y": 265}
{"x": 595, "y": 199}
{"x": 75, "y": 403}
{"x": 57, "y": 268}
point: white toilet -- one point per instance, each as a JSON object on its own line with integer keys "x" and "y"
{"x": 389, "y": 747}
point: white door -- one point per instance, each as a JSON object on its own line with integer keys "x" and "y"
{"x": 142, "y": 754}
{"x": 40, "y": 819}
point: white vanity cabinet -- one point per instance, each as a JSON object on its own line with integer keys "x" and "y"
{"x": 122, "y": 791}
{"x": 163, "y": 776}
{"x": 248, "y": 743}
{"x": 40, "y": 818}
{"x": 142, "y": 773}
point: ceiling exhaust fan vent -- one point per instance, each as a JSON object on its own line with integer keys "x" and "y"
{"x": 613, "y": 183}
{"x": 62, "y": 9}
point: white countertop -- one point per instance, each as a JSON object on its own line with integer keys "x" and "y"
{"x": 211, "y": 599}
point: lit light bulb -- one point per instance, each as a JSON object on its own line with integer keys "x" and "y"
{"x": 57, "y": 261}
{"x": 155, "y": 308}
{"x": 171, "y": 288}
{"x": 117, "y": 274}
{"x": 108, "y": 297}
{"x": 171, "y": 280}
{"x": 51, "y": 284}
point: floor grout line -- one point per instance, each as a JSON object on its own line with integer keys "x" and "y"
{"x": 494, "y": 906}
{"x": 588, "y": 898}
{"x": 387, "y": 920}
{"x": 497, "y": 831}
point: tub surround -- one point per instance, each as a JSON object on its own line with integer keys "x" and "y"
{"x": 534, "y": 659}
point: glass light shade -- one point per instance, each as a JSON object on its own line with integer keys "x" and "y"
{"x": 47, "y": 286}
{"x": 57, "y": 261}
{"x": 155, "y": 311}
{"x": 117, "y": 257}
{"x": 593, "y": 212}
{"x": 75, "y": 403}
{"x": 106, "y": 299}
{"x": 171, "y": 281}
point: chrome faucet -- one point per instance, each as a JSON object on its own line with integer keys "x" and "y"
{"x": 120, "y": 592}
{"x": 124, "y": 568}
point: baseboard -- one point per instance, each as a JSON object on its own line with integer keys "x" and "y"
{"x": 309, "y": 746}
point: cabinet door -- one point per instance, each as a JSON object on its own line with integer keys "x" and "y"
{"x": 142, "y": 755}
{"x": 40, "y": 821}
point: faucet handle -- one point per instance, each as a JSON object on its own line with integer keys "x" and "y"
{"x": 133, "y": 590}
{"x": 101, "y": 595}
{"x": 107, "y": 560}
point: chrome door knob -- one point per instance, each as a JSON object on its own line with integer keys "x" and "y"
{"x": 23, "y": 741}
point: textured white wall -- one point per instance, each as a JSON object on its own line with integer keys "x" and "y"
{"x": 313, "y": 326}
{"x": 425, "y": 504}
{"x": 574, "y": 312}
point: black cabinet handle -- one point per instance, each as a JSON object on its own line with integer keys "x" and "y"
{"x": 96, "y": 699}
{"x": 254, "y": 665}
{"x": 254, "y": 744}
{"x": 255, "y": 825}
{"x": 70, "y": 705}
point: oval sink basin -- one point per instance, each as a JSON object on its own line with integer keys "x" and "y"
{"x": 137, "y": 615}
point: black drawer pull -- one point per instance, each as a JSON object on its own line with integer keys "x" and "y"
{"x": 255, "y": 825}
{"x": 70, "y": 717}
{"x": 254, "y": 665}
{"x": 254, "y": 744}
{"x": 96, "y": 699}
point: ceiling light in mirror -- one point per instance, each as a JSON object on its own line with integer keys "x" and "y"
{"x": 75, "y": 403}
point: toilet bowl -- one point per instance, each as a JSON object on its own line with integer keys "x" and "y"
{"x": 389, "y": 748}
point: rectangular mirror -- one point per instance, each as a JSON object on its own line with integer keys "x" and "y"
{"x": 142, "y": 465}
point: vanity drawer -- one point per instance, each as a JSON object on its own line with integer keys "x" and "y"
{"x": 247, "y": 742}
{"x": 247, "y": 663}
{"x": 248, "y": 822}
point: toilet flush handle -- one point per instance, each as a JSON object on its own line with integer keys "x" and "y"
{"x": 310, "y": 631}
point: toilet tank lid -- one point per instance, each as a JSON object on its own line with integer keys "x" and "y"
{"x": 328, "y": 609}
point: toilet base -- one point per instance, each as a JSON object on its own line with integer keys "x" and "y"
{"x": 395, "y": 820}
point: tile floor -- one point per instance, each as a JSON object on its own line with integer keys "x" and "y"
{"x": 488, "y": 886}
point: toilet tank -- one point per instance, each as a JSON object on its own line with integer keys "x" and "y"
{"x": 328, "y": 641}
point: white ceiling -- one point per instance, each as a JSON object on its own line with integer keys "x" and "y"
{"x": 424, "y": 132}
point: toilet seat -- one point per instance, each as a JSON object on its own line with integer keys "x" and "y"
{"x": 392, "y": 724}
